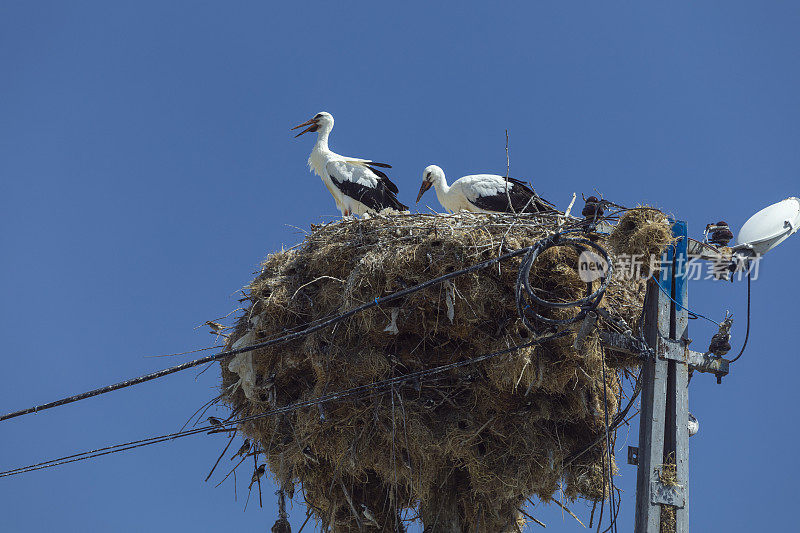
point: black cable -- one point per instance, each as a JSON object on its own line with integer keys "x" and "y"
{"x": 279, "y": 340}
{"x": 523, "y": 284}
{"x": 620, "y": 417}
{"x": 103, "y": 451}
{"x": 397, "y": 380}
{"x": 608, "y": 442}
{"x": 367, "y": 389}
{"x": 747, "y": 331}
{"x": 523, "y": 287}
{"x": 614, "y": 514}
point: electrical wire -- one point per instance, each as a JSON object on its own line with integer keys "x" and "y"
{"x": 359, "y": 391}
{"x": 620, "y": 417}
{"x": 747, "y": 331}
{"x": 115, "y": 448}
{"x": 279, "y": 340}
{"x": 523, "y": 289}
{"x": 608, "y": 442}
{"x": 692, "y": 314}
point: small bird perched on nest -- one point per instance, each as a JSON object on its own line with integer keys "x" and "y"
{"x": 483, "y": 193}
{"x": 369, "y": 516}
{"x": 593, "y": 209}
{"x": 592, "y": 212}
{"x": 243, "y": 450}
{"x": 257, "y": 475}
{"x": 357, "y": 186}
{"x": 216, "y": 422}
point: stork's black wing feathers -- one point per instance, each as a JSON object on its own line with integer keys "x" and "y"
{"x": 517, "y": 182}
{"x": 376, "y": 164}
{"x": 522, "y": 198}
{"x": 378, "y": 198}
{"x": 383, "y": 177}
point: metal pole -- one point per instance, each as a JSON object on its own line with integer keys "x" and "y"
{"x": 663, "y": 432}
{"x": 677, "y": 441}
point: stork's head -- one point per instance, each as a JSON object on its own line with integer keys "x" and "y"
{"x": 321, "y": 120}
{"x": 430, "y": 176}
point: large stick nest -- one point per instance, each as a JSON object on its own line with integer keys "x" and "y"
{"x": 467, "y": 446}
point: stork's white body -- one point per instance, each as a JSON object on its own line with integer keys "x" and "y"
{"x": 342, "y": 174}
{"x": 318, "y": 162}
{"x": 461, "y": 195}
{"x": 483, "y": 193}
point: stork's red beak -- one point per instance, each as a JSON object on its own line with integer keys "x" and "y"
{"x": 424, "y": 187}
{"x": 312, "y": 127}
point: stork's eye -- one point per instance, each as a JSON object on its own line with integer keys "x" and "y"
{"x": 318, "y": 115}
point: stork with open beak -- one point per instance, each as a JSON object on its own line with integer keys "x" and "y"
{"x": 483, "y": 193}
{"x": 357, "y": 185}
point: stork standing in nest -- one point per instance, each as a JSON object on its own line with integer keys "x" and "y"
{"x": 483, "y": 193}
{"x": 357, "y": 185}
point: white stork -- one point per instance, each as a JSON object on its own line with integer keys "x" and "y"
{"x": 483, "y": 193}
{"x": 357, "y": 186}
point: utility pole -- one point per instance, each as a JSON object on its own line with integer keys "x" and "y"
{"x": 663, "y": 426}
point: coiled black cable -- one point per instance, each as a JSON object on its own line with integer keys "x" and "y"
{"x": 526, "y": 296}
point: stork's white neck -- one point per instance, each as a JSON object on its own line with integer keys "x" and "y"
{"x": 320, "y": 154}
{"x": 322, "y": 139}
{"x": 442, "y": 189}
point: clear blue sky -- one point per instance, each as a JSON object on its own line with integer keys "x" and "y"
{"x": 146, "y": 167}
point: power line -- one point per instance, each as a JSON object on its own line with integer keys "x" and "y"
{"x": 364, "y": 390}
{"x": 91, "y": 454}
{"x": 548, "y": 241}
{"x": 523, "y": 290}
